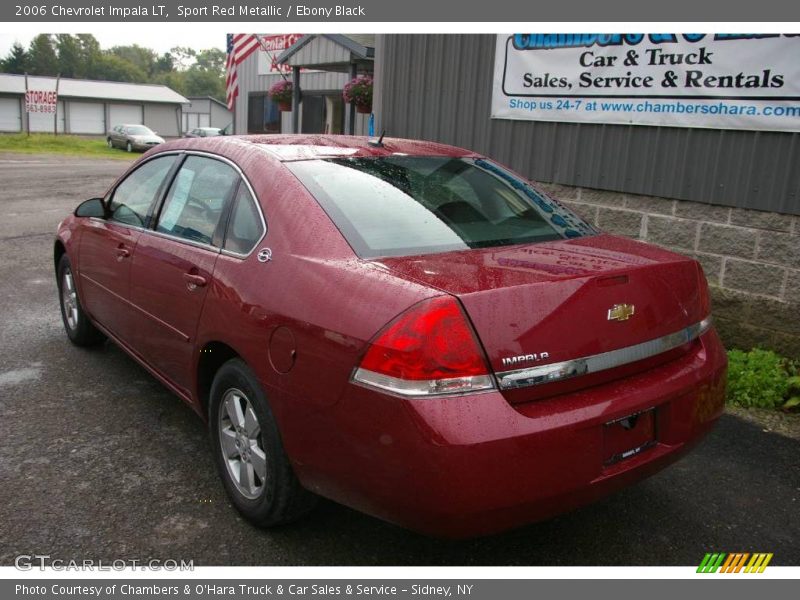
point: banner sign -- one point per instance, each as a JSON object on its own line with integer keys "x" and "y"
{"x": 41, "y": 101}
{"x": 719, "y": 81}
{"x": 272, "y": 46}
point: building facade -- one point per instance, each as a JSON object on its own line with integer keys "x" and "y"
{"x": 205, "y": 111}
{"x": 322, "y": 64}
{"x": 730, "y": 198}
{"x": 86, "y": 107}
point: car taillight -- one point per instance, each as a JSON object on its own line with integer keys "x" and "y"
{"x": 705, "y": 301}
{"x": 429, "y": 350}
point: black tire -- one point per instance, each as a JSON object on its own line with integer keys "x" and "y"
{"x": 281, "y": 499}
{"x": 128, "y": 147}
{"x": 79, "y": 328}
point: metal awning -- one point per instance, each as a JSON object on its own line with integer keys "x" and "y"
{"x": 331, "y": 52}
{"x": 328, "y": 52}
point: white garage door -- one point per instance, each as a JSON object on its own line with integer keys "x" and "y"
{"x": 205, "y": 120}
{"x": 10, "y": 115}
{"x": 43, "y": 122}
{"x": 126, "y": 114}
{"x": 87, "y": 117}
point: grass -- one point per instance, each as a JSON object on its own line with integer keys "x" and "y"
{"x": 67, "y": 145}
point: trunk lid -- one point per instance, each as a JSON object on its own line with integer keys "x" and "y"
{"x": 549, "y": 302}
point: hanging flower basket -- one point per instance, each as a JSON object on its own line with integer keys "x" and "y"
{"x": 358, "y": 91}
{"x": 281, "y": 93}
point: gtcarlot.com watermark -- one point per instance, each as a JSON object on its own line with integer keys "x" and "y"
{"x": 29, "y": 562}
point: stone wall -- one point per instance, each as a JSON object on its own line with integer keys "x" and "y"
{"x": 751, "y": 258}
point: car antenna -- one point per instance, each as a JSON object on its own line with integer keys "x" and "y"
{"x": 379, "y": 142}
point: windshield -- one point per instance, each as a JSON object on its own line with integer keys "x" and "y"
{"x": 139, "y": 130}
{"x": 407, "y": 205}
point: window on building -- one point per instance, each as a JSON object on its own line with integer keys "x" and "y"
{"x": 263, "y": 115}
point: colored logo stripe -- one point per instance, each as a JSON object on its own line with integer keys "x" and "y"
{"x": 734, "y": 562}
{"x": 758, "y": 563}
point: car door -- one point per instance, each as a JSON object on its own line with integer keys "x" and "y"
{"x": 173, "y": 265}
{"x": 119, "y": 136}
{"x": 107, "y": 245}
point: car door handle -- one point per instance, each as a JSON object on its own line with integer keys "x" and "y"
{"x": 194, "y": 281}
{"x": 123, "y": 252}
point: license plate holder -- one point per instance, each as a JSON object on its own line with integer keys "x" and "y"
{"x": 628, "y": 436}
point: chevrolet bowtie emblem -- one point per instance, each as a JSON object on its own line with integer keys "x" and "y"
{"x": 620, "y": 312}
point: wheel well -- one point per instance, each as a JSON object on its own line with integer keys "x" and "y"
{"x": 58, "y": 252}
{"x": 212, "y": 357}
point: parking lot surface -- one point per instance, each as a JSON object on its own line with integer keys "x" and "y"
{"x": 99, "y": 461}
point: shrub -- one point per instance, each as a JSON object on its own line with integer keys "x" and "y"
{"x": 763, "y": 379}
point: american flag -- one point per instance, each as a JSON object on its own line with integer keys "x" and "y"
{"x": 240, "y": 46}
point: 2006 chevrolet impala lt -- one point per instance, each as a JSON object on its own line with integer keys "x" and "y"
{"x": 407, "y": 328}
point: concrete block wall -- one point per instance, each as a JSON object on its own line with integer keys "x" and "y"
{"x": 751, "y": 258}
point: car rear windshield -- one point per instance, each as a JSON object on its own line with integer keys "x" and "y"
{"x": 410, "y": 205}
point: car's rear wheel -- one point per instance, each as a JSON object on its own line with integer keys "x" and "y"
{"x": 129, "y": 147}
{"x": 248, "y": 450}
{"x": 79, "y": 328}
{"x": 110, "y": 143}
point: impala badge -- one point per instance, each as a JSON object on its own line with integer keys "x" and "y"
{"x": 621, "y": 312}
{"x": 513, "y": 360}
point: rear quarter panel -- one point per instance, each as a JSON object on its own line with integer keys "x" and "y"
{"x": 330, "y": 302}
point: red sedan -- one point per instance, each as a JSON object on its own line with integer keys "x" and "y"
{"x": 408, "y": 328}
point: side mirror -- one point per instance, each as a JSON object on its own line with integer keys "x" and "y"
{"x": 93, "y": 207}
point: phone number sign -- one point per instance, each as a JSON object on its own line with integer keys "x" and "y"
{"x": 41, "y": 101}
{"x": 725, "y": 81}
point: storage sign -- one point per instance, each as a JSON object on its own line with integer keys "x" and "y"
{"x": 41, "y": 101}
{"x": 721, "y": 81}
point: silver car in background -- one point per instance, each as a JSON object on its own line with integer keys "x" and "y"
{"x": 133, "y": 137}
{"x": 204, "y": 132}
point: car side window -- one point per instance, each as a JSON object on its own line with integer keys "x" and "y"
{"x": 245, "y": 228}
{"x": 196, "y": 199}
{"x": 132, "y": 198}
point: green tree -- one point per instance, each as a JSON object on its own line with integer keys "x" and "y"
{"x": 211, "y": 59}
{"x": 16, "y": 61}
{"x": 42, "y": 58}
{"x": 142, "y": 58}
{"x": 204, "y": 83}
{"x": 113, "y": 68}
{"x": 182, "y": 57}
{"x": 90, "y": 54}
{"x": 69, "y": 56}
{"x": 164, "y": 64}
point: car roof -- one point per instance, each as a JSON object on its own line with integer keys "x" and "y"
{"x": 291, "y": 147}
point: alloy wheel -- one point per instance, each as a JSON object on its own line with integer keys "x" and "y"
{"x": 240, "y": 439}
{"x": 69, "y": 299}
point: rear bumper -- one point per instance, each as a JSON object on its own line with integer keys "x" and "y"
{"x": 475, "y": 465}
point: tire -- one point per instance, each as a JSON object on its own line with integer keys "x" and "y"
{"x": 110, "y": 144}
{"x": 128, "y": 147}
{"x": 79, "y": 328}
{"x": 270, "y": 494}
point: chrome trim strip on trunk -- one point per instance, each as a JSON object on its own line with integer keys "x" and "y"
{"x": 518, "y": 378}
